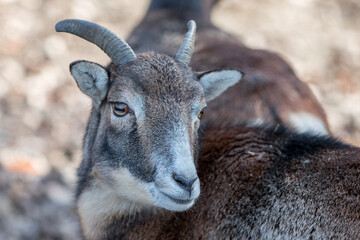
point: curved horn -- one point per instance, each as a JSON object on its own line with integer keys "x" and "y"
{"x": 116, "y": 48}
{"x": 187, "y": 46}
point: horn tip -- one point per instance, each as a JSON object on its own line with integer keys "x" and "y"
{"x": 191, "y": 24}
{"x": 64, "y": 24}
{"x": 60, "y": 26}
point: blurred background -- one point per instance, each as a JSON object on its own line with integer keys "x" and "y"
{"x": 43, "y": 114}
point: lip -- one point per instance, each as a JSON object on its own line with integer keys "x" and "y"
{"x": 179, "y": 201}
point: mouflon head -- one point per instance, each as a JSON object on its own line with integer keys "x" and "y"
{"x": 143, "y": 140}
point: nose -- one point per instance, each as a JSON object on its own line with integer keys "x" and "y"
{"x": 184, "y": 183}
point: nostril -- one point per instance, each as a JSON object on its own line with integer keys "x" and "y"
{"x": 184, "y": 182}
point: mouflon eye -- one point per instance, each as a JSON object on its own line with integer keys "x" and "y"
{"x": 120, "y": 109}
{"x": 201, "y": 114}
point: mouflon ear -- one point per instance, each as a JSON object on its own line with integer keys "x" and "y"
{"x": 91, "y": 78}
{"x": 217, "y": 81}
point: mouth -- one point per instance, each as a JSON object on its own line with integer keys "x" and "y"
{"x": 179, "y": 201}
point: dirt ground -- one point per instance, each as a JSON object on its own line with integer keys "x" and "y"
{"x": 43, "y": 114}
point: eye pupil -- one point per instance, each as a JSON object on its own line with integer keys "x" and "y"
{"x": 201, "y": 114}
{"x": 120, "y": 109}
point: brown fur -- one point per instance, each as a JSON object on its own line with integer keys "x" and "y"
{"x": 262, "y": 184}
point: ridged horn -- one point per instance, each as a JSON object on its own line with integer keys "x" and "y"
{"x": 116, "y": 48}
{"x": 187, "y": 47}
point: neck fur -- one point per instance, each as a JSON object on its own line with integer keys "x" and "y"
{"x": 98, "y": 205}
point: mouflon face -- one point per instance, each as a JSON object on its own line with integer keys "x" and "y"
{"x": 149, "y": 125}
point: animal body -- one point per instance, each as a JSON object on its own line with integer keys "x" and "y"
{"x": 140, "y": 176}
